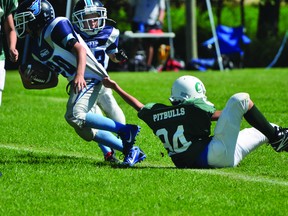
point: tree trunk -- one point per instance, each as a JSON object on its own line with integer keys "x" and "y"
{"x": 268, "y": 19}
{"x": 218, "y": 12}
{"x": 242, "y": 12}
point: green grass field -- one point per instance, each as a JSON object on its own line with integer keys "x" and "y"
{"x": 46, "y": 169}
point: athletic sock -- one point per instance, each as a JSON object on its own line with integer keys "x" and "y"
{"x": 104, "y": 149}
{"x": 257, "y": 120}
{"x": 98, "y": 121}
{"x": 108, "y": 139}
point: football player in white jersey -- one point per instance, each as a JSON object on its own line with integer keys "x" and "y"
{"x": 55, "y": 44}
{"x": 185, "y": 127}
{"x": 89, "y": 20}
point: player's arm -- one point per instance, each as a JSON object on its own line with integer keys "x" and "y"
{"x": 216, "y": 115}
{"x": 11, "y": 38}
{"x": 35, "y": 77}
{"x": 80, "y": 51}
{"x": 132, "y": 101}
{"x": 64, "y": 35}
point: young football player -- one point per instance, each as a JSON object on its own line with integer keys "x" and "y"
{"x": 89, "y": 20}
{"x": 185, "y": 127}
{"x": 55, "y": 44}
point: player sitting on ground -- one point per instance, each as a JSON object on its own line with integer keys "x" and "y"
{"x": 184, "y": 128}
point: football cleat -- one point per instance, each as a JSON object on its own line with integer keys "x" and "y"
{"x": 111, "y": 157}
{"x": 281, "y": 144}
{"x": 127, "y": 135}
{"x": 135, "y": 155}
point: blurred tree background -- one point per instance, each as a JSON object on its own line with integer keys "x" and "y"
{"x": 265, "y": 23}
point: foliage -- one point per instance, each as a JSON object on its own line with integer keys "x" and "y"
{"x": 46, "y": 169}
{"x": 231, "y": 17}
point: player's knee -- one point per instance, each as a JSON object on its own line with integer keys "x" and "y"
{"x": 74, "y": 120}
{"x": 85, "y": 133}
{"x": 240, "y": 96}
{"x": 240, "y": 100}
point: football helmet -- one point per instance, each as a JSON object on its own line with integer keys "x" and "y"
{"x": 89, "y": 16}
{"x": 32, "y": 15}
{"x": 186, "y": 87}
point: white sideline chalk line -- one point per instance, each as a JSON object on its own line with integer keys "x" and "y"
{"x": 205, "y": 171}
{"x": 242, "y": 177}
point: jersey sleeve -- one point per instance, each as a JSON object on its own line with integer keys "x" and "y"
{"x": 10, "y": 7}
{"x": 63, "y": 33}
{"x": 145, "y": 112}
{"x": 112, "y": 42}
{"x": 202, "y": 104}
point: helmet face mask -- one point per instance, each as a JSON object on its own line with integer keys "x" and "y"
{"x": 21, "y": 21}
{"x": 32, "y": 15}
{"x": 187, "y": 87}
{"x": 89, "y": 18}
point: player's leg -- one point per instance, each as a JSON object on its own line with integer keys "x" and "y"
{"x": 248, "y": 140}
{"x": 277, "y": 136}
{"x": 108, "y": 153}
{"x": 221, "y": 149}
{"x": 109, "y": 105}
{"x": 112, "y": 110}
{"x": 224, "y": 150}
{"x": 78, "y": 116}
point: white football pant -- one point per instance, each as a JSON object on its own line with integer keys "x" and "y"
{"x": 230, "y": 145}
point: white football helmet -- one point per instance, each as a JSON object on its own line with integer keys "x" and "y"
{"x": 186, "y": 87}
{"x": 89, "y": 16}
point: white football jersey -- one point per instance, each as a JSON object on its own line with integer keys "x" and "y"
{"x": 102, "y": 44}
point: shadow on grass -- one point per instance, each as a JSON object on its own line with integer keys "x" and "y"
{"x": 32, "y": 158}
{"x": 36, "y": 158}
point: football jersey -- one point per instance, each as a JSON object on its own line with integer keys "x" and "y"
{"x": 177, "y": 126}
{"x": 50, "y": 48}
{"x": 102, "y": 44}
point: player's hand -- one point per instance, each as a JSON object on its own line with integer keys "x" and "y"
{"x": 13, "y": 53}
{"x": 79, "y": 83}
{"x": 108, "y": 83}
{"x": 121, "y": 56}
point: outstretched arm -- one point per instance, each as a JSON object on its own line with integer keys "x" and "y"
{"x": 132, "y": 101}
{"x": 216, "y": 115}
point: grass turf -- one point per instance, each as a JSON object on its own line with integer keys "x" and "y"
{"x": 46, "y": 169}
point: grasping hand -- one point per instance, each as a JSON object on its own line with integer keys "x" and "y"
{"x": 13, "y": 53}
{"x": 108, "y": 83}
{"x": 79, "y": 83}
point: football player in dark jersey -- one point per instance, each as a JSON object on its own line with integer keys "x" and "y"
{"x": 185, "y": 127}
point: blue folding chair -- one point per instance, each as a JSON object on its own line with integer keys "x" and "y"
{"x": 230, "y": 42}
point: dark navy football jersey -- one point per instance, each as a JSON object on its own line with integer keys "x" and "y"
{"x": 177, "y": 126}
{"x": 51, "y": 49}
